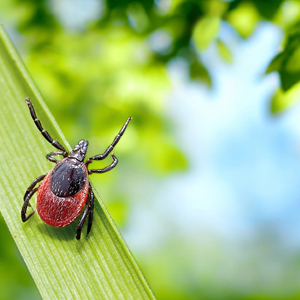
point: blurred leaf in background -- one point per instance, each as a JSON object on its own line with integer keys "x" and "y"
{"x": 98, "y": 62}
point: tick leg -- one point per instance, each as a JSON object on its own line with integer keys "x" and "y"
{"x": 30, "y": 188}
{"x": 81, "y": 222}
{"x": 38, "y": 124}
{"x": 111, "y": 147}
{"x": 25, "y": 205}
{"x": 91, "y": 212}
{"x": 50, "y": 157}
{"x": 87, "y": 212}
{"x": 114, "y": 163}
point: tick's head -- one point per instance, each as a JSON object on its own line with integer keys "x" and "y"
{"x": 79, "y": 150}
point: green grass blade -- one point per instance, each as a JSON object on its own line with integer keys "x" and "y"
{"x": 100, "y": 267}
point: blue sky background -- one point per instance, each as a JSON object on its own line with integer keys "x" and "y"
{"x": 235, "y": 214}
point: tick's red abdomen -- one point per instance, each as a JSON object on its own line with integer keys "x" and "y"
{"x": 60, "y": 211}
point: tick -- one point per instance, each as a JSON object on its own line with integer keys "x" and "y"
{"x": 66, "y": 188}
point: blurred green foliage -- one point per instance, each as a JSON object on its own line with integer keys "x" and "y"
{"x": 186, "y": 27}
{"x": 115, "y": 65}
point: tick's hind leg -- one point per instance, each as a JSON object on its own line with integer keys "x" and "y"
{"x": 91, "y": 213}
{"x": 87, "y": 212}
{"x": 30, "y": 188}
{"x": 28, "y": 194}
{"x": 25, "y": 205}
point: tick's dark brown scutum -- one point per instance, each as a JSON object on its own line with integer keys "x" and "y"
{"x": 66, "y": 188}
{"x": 68, "y": 178}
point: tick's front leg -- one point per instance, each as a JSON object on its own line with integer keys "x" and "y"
{"x": 114, "y": 163}
{"x": 50, "y": 157}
